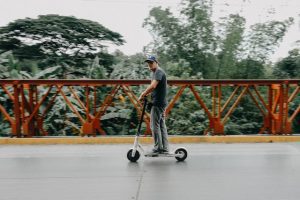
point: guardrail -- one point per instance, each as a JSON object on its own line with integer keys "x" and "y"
{"x": 26, "y": 116}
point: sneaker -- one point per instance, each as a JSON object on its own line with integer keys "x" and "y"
{"x": 154, "y": 152}
{"x": 164, "y": 151}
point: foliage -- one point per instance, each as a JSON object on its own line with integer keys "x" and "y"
{"x": 213, "y": 49}
{"x": 248, "y": 69}
{"x": 289, "y": 67}
{"x": 52, "y": 40}
{"x": 232, "y": 30}
{"x": 186, "y": 117}
{"x": 189, "y": 38}
{"x": 188, "y": 46}
{"x": 263, "y": 38}
{"x": 246, "y": 119}
{"x": 130, "y": 67}
{"x": 54, "y": 35}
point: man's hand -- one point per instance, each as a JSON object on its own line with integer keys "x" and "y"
{"x": 149, "y": 89}
{"x": 142, "y": 96}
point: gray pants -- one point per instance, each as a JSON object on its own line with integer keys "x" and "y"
{"x": 159, "y": 129}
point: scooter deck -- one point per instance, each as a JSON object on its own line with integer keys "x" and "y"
{"x": 162, "y": 155}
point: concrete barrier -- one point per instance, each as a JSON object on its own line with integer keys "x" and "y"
{"x": 148, "y": 140}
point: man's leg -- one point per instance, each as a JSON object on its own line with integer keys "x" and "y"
{"x": 155, "y": 127}
{"x": 164, "y": 134}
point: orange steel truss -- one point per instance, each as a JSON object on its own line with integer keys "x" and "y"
{"x": 272, "y": 98}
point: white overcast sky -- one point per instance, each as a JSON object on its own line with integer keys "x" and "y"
{"x": 126, "y": 16}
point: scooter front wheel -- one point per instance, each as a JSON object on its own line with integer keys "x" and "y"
{"x": 181, "y": 154}
{"x": 133, "y": 158}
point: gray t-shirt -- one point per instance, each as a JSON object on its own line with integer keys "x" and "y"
{"x": 159, "y": 94}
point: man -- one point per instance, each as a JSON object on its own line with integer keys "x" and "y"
{"x": 158, "y": 90}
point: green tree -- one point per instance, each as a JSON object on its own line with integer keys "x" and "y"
{"x": 214, "y": 49}
{"x": 248, "y": 69}
{"x": 288, "y": 67}
{"x": 129, "y": 67}
{"x": 263, "y": 38}
{"x": 56, "y": 39}
{"x": 190, "y": 37}
{"x": 232, "y": 30}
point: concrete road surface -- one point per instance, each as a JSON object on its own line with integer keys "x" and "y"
{"x": 264, "y": 171}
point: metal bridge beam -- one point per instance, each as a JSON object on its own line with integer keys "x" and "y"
{"x": 272, "y": 98}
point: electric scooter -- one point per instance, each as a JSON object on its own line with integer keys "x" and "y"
{"x": 134, "y": 153}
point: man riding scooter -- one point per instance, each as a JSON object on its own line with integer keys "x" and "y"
{"x": 158, "y": 90}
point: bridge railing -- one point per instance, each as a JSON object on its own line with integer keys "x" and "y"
{"x": 31, "y": 100}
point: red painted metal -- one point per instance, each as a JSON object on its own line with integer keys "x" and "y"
{"x": 272, "y": 98}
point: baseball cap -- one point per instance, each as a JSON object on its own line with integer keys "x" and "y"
{"x": 151, "y": 59}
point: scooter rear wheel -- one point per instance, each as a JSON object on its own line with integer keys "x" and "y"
{"x": 133, "y": 158}
{"x": 183, "y": 154}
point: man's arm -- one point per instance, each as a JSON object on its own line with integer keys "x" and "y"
{"x": 149, "y": 89}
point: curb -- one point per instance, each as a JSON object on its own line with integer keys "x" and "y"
{"x": 147, "y": 140}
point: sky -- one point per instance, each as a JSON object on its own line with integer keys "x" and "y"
{"x": 127, "y": 16}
